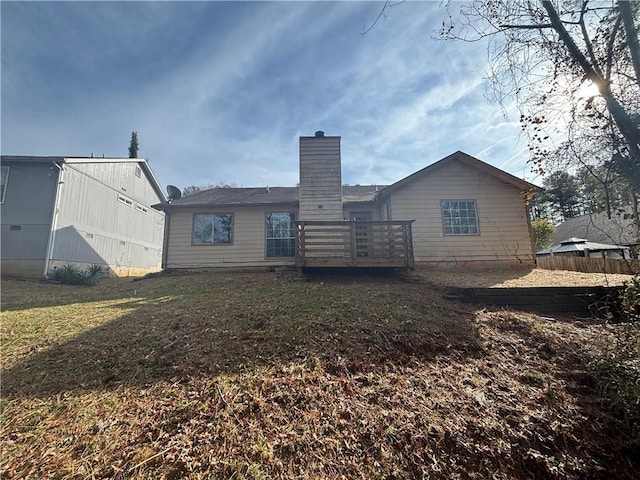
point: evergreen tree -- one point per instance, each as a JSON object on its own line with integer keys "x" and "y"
{"x": 191, "y": 189}
{"x": 563, "y": 194}
{"x": 133, "y": 145}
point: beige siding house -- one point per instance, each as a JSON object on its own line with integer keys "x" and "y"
{"x": 457, "y": 210}
{"x": 464, "y": 210}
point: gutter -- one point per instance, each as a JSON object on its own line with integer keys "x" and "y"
{"x": 54, "y": 218}
{"x": 166, "y": 207}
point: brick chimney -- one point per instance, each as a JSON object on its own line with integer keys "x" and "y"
{"x": 320, "y": 178}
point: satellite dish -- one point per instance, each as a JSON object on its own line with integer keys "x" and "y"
{"x": 174, "y": 192}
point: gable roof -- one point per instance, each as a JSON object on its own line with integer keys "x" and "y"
{"x": 142, "y": 162}
{"x": 470, "y": 161}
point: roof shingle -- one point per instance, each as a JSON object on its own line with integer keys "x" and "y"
{"x": 263, "y": 196}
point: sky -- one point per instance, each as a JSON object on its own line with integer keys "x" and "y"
{"x": 222, "y": 91}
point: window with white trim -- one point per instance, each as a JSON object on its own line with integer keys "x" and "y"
{"x": 4, "y": 179}
{"x": 280, "y": 234}
{"x": 212, "y": 229}
{"x": 459, "y": 217}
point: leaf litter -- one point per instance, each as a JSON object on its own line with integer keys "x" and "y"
{"x": 264, "y": 375}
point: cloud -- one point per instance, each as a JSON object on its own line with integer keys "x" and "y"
{"x": 222, "y": 91}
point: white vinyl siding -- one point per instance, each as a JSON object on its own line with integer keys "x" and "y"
{"x": 122, "y": 178}
{"x": 98, "y": 224}
{"x": 502, "y": 218}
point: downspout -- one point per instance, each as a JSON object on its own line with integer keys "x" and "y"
{"x": 530, "y": 228}
{"x": 54, "y": 220}
{"x": 165, "y": 240}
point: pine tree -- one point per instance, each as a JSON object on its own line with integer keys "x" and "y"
{"x": 133, "y": 145}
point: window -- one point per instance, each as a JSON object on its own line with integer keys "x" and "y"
{"x": 138, "y": 172}
{"x": 140, "y": 208}
{"x": 4, "y": 177}
{"x": 459, "y": 217}
{"x": 281, "y": 237}
{"x": 212, "y": 229}
{"x": 362, "y": 232}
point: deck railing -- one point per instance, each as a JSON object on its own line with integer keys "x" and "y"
{"x": 354, "y": 244}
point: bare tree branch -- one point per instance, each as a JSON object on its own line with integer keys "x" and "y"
{"x": 527, "y": 27}
{"x": 627, "y": 127}
{"x": 587, "y": 40}
{"x": 632, "y": 36}
{"x": 383, "y": 13}
{"x": 610, "y": 44}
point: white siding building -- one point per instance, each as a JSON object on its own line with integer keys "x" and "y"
{"x": 80, "y": 211}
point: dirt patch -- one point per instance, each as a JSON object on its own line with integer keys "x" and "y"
{"x": 518, "y": 277}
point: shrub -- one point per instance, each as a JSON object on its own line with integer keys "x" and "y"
{"x": 71, "y": 275}
{"x": 631, "y": 299}
{"x": 542, "y": 230}
{"x": 618, "y": 384}
{"x": 94, "y": 273}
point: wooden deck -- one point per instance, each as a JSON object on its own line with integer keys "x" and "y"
{"x": 354, "y": 244}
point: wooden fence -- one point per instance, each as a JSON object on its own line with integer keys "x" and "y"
{"x": 588, "y": 264}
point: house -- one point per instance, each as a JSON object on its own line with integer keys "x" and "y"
{"x": 81, "y": 211}
{"x": 620, "y": 229}
{"x": 581, "y": 247}
{"x": 457, "y": 210}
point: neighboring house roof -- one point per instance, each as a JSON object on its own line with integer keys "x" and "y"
{"x": 579, "y": 245}
{"x": 471, "y": 162}
{"x": 221, "y": 197}
{"x": 598, "y": 227}
{"x": 142, "y": 162}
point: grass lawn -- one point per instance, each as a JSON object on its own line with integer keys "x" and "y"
{"x": 269, "y": 375}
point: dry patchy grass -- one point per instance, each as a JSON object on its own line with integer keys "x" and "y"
{"x": 273, "y": 376}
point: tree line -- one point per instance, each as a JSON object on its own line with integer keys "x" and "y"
{"x": 587, "y": 191}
